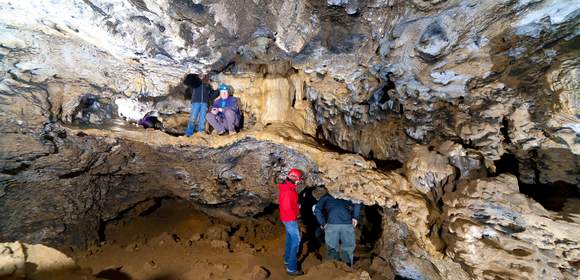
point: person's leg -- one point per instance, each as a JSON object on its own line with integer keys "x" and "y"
{"x": 331, "y": 238}
{"x": 194, "y": 114}
{"x": 201, "y": 120}
{"x": 288, "y": 246}
{"x": 230, "y": 120}
{"x": 293, "y": 232}
{"x": 348, "y": 243}
{"x": 214, "y": 121}
{"x": 191, "y": 122}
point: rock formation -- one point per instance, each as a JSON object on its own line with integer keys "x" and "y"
{"x": 455, "y": 92}
{"x": 493, "y": 228}
{"x": 37, "y": 262}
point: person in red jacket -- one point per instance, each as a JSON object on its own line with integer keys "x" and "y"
{"x": 289, "y": 210}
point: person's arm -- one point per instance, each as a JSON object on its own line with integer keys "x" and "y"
{"x": 357, "y": 208}
{"x": 356, "y": 214}
{"x": 295, "y": 204}
{"x": 318, "y": 211}
{"x": 214, "y": 107}
{"x": 236, "y": 105}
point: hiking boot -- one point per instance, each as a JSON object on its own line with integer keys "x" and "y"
{"x": 295, "y": 273}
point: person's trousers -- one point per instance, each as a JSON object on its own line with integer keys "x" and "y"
{"x": 340, "y": 242}
{"x": 198, "y": 111}
{"x": 222, "y": 122}
{"x": 292, "y": 245}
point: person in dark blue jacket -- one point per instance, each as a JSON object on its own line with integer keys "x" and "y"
{"x": 341, "y": 219}
{"x": 201, "y": 95}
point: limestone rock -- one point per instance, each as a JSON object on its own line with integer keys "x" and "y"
{"x": 375, "y": 81}
{"x": 429, "y": 172}
{"x": 243, "y": 247}
{"x": 496, "y": 231}
{"x": 219, "y": 244}
{"x": 196, "y": 237}
{"x": 473, "y": 81}
{"x": 217, "y": 233}
{"x": 37, "y": 262}
{"x": 47, "y": 261}
{"x": 258, "y": 273}
{"x": 12, "y": 260}
{"x": 468, "y": 162}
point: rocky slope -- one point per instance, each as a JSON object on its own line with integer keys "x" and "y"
{"x": 451, "y": 89}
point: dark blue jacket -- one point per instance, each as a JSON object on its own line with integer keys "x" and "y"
{"x": 339, "y": 211}
{"x": 202, "y": 94}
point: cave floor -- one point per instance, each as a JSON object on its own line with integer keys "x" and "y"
{"x": 177, "y": 241}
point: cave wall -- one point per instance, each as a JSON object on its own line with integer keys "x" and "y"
{"x": 369, "y": 77}
{"x": 448, "y": 88}
{"x": 83, "y": 181}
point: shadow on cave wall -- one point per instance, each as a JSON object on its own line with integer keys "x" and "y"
{"x": 553, "y": 197}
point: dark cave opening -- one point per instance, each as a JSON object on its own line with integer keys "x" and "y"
{"x": 371, "y": 228}
{"x": 508, "y": 163}
{"x": 382, "y": 164}
{"x": 385, "y": 164}
{"x": 398, "y": 277}
{"x": 552, "y": 196}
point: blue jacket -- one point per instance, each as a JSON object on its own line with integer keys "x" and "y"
{"x": 339, "y": 211}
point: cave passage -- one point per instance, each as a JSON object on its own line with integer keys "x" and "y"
{"x": 171, "y": 237}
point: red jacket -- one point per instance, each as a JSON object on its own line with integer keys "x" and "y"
{"x": 288, "y": 200}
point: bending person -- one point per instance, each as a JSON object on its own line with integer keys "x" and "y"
{"x": 338, "y": 226}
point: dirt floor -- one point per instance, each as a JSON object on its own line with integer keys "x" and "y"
{"x": 176, "y": 241}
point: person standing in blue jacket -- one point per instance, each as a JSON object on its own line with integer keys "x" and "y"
{"x": 201, "y": 94}
{"x": 342, "y": 218}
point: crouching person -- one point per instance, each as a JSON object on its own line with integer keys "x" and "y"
{"x": 151, "y": 120}
{"x": 224, "y": 114}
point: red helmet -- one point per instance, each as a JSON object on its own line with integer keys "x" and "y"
{"x": 295, "y": 174}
